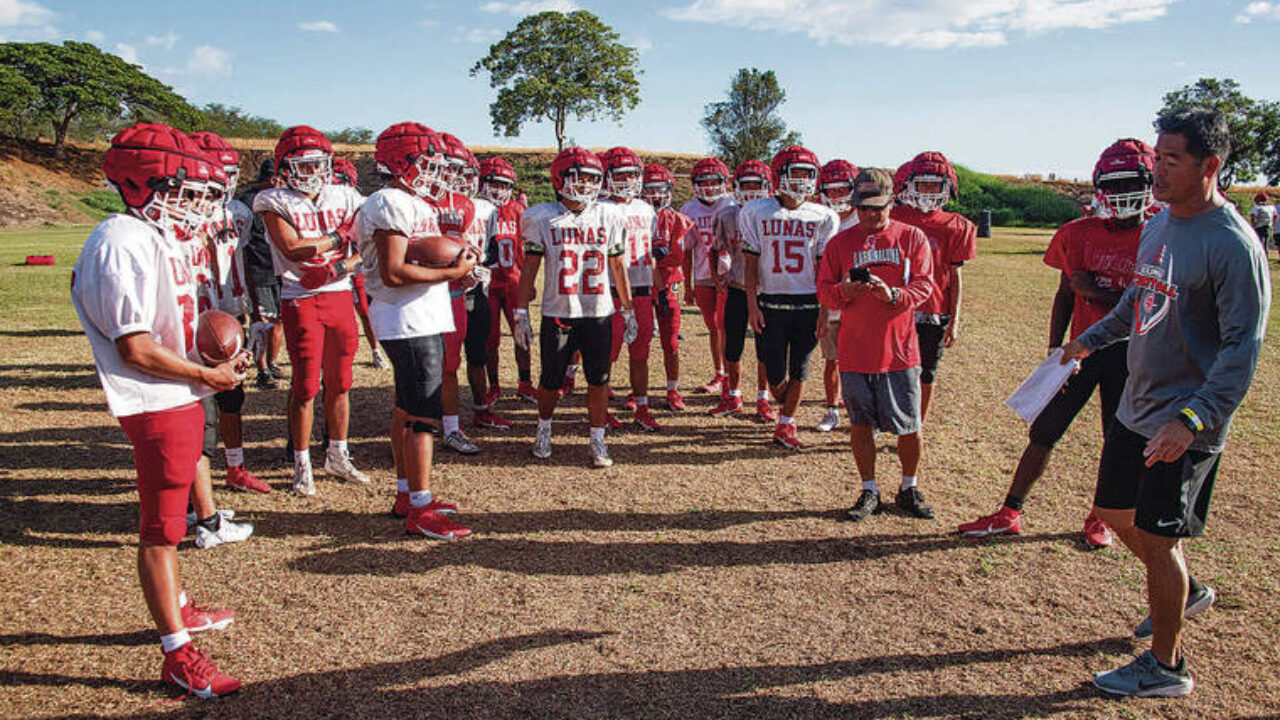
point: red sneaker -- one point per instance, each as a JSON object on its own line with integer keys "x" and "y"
{"x": 675, "y": 401}
{"x": 193, "y": 671}
{"x": 1097, "y": 533}
{"x": 240, "y": 479}
{"x": 198, "y": 618}
{"x": 715, "y": 386}
{"x": 402, "y": 506}
{"x": 726, "y": 407}
{"x": 645, "y": 420}
{"x": 526, "y": 392}
{"x": 434, "y": 524}
{"x": 613, "y": 423}
{"x": 566, "y": 387}
{"x": 631, "y": 401}
{"x": 487, "y": 419}
{"x": 765, "y": 412}
{"x": 785, "y": 435}
{"x": 494, "y": 394}
{"x": 1005, "y": 521}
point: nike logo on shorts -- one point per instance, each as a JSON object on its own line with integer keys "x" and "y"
{"x": 1167, "y": 523}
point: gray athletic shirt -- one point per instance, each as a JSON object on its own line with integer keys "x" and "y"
{"x": 1195, "y": 317}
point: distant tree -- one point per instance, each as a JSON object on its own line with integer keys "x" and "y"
{"x": 1255, "y": 126}
{"x": 746, "y": 125}
{"x": 234, "y": 122}
{"x": 553, "y": 65}
{"x": 16, "y": 98}
{"x": 351, "y": 136}
{"x": 77, "y": 80}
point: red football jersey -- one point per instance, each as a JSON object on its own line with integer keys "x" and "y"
{"x": 1095, "y": 245}
{"x": 457, "y": 212}
{"x": 952, "y": 239}
{"x": 876, "y": 337}
{"x": 670, "y": 230}
{"x": 509, "y": 253}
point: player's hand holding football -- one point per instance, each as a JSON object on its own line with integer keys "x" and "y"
{"x": 223, "y": 376}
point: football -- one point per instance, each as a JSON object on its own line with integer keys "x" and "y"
{"x": 219, "y": 337}
{"x": 435, "y": 251}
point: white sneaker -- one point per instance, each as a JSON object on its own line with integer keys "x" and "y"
{"x": 600, "y": 454}
{"x": 340, "y": 466}
{"x": 460, "y": 443}
{"x": 303, "y": 483}
{"x": 379, "y": 359}
{"x": 227, "y": 532}
{"x": 830, "y": 421}
{"x": 542, "y": 444}
{"x": 192, "y": 519}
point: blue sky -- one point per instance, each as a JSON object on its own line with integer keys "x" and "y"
{"x": 1009, "y": 86}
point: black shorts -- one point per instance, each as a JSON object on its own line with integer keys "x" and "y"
{"x": 931, "y": 349}
{"x": 788, "y": 338}
{"x": 735, "y": 324}
{"x": 210, "y": 440}
{"x": 1169, "y": 499}
{"x": 266, "y": 299}
{"x": 560, "y": 338}
{"x": 1107, "y": 370}
{"x": 418, "y": 365}
{"x": 479, "y": 322}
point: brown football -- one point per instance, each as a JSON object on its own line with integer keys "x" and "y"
{"x": 435, "y": 251}
{"x": 219, "y": 337}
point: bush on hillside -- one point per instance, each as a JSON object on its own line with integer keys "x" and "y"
{"x": 1012, "y": 205}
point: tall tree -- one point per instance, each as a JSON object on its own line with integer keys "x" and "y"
{"x": 746, "y": 125}
{"x": 1255, "y": 126}
{"x": 234, "y": 122}
{"x": 553, "y": 65}
{"x": 77, "y": 80}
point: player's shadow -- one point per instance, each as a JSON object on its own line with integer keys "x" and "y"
{"x": 40, "y": 332}
{"x": 36, "y": 487}
{"x": 767, "y": 692}
{"x": 137, "y": 638}
{"x": 60, "y": 524}
{"x": 66, "y": 448}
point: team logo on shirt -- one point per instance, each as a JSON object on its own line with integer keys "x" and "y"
{"x": 878, "y": 256}
{"x": 788, "y": 227}
{"x": 1156, "y": 291}
{"x": 578, "y": 236}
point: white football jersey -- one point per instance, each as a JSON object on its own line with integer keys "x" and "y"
{"x": 483, "y": 226}
{"x": 229, "y": 231}
{"x": 845, "y": 224}
{"x": 130, "y": 279}
{"x": 703, "y": 217}
{"x": 333, "y": 210}
{"x": 575, "y": 249}
{"x": 411, "y": 310}
{"x": 789, "y": 243}
{"x": 638, "y": 219}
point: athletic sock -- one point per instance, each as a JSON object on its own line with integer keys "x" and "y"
{"x": 673, "y": 385}
{"x": 480, "y": 408}
{"x": 211, "y": 523}
{"x": 235, "y": 456}
{"x": 544, "y": 424}
{"x": 642, "y": 401}
{"x": 182, "y": 598}
{"x": 337, "y": 448}
{"x": 597, "y": 433}
{"x": 722, "y": 374}
{"x": 908, "y": 482}
{"x": 302, "y": 459}
{"x": 785, "y": 420}
{"x": 735, "y": 393}
{"x": 1013, "y": 503}
{"x": 169, "y": 643}
{"x": 525, "y": 375}
{"x": 402, "y": 485}
{"x": 870, "y": 484}
{"x": 1194, "y": 586}
{"x": 762, "y": 395}
{"x": 450, "y": 424}
{"x": 419, "y": 498}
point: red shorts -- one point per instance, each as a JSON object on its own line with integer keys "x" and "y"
{"x": 710, "y": 302}
{"x": 502, "y": 301}
{"x": 453, "y": 341}
{"x": 667, "y": 307}
{"x": 321, "y": 334}
{"x": 638, "y": 350}
{"x": 362, "y": 298}
{"x": 166, "y": 449}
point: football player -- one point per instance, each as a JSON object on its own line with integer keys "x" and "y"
{"x": 345, "y": 173}
{"x": 579, "y": 244}
{"x": 411, "y": 313}
{"x": 672, "y": 230}
{"x": 497, "y": 184}
{"x": 783, "y": 237}
{"x": 266, "y": 334}
{"x": 710, "y": 177}
{"x": 751, "y": 181}
{"x": 835, "y": 190}
{"x": 928, "y": 182}
{"x": 1095, "y": 258}
{"x": 309, "y": 222}
{"x": 135, "y": 295}
{"x": 876, "y": 273}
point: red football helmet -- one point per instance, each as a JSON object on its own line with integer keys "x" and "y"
{"x": 497, "y": 180}
{"x": 835, "y": 184}
{"x": 1261, "y": 199}
{"x": 1123, "y": 178}
{"x": 227, "y": 156}
{"x": 755, "y": 172}
{"x": 345, "y": 173}
{"x": 469, "y": 178}
{"x": 164, "y": 178}
{"x": 304, "y": 158}
{"x": 414, "y": 154}
{"x": 457, "y": 155}
{"x": 790, "y": 160}
{"x": 710, "y": 178}
{"x": 659, "y": 184}
{"x": 576, "y": 174}
{"x": 900, "y": 181}
{"x": 929, "y": 167}
{"x": 623, "y": 172}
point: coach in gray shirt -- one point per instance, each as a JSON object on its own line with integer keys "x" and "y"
{"x": 1195, "y": 317}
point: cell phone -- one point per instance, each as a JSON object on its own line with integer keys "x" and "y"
{"x": 859, "y": 274}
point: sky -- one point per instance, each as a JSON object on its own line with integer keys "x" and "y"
{"x": 1003, "y": 86}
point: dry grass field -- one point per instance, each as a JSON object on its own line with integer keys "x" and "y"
{"x": 707, "y": 575}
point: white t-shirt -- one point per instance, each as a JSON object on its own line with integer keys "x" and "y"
{"x": 789, "y": 243}
{"x": 845, "y": 224}
{"x": 638, "y": 219}
{"x": 703, "y": 217}
{"x": 407, "y": 311}
{"x": 333, "y": 210}
{"x": 1262, "y": 215}
{"x": 130, "y": 279}
{"x": 575, "y": 250}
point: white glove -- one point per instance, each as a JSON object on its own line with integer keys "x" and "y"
{"x": 633, "y": 327}
{"x": 481, "y": 274}
{"x": 258, "y": 337}
{"x": 523, "y": 331}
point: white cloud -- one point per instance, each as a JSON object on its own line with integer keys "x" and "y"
{"x": 128, "y": 53}
{"x": 925, "y": 24}
{"x": 94, "y": 36}
{"x": 528, "y": 7}
{"x": 318, "y": 26}
{"x": 166, "y": 41}
{"x": 208, "y": 61}
{"x": 1263, "y": 10}
{"x": 18, "y": 13}
{"x": 478, "y": 36}
{"x": 642, "y": 45}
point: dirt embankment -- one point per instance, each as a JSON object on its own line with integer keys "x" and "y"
{"x": 33, "y": 183}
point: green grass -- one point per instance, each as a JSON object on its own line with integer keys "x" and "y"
{"x": 35, "y": 297}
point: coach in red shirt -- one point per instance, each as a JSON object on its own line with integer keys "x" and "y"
{"x": 876, "y": 273}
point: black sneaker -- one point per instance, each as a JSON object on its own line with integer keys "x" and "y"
{"x": 275, "y": 371}
{"x": 912, "y": 502}
{"x": 868, "y": 504}
{"x": 266, "y": 382}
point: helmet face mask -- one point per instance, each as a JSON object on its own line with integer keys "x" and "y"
{"x": 750, "y": 187}
{"x": 179, "y": 207}
{"x": 798, "y": 181}
{"x": 927, "y": 199}
{"x": 657, "y": 194}
{"x": 1125, "y": 195}
{"x": 497, "y": 190}
{"x": 837, "y": 195}
{"x": 709, "y": 188}
{"x": 580, "y": 184}
{"x": 309, "y": 171}
{"x": 625, "y": 182}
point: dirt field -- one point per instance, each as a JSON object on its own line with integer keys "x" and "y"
{"x": 707, "y": 575}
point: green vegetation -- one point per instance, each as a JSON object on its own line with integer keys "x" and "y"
{"x": 41, "y": 293}
{"x": 1011, "y": 205}
{"x": 746, "y": 125}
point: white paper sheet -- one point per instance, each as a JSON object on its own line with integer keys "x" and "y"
{"x": 1040, "y": 387}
